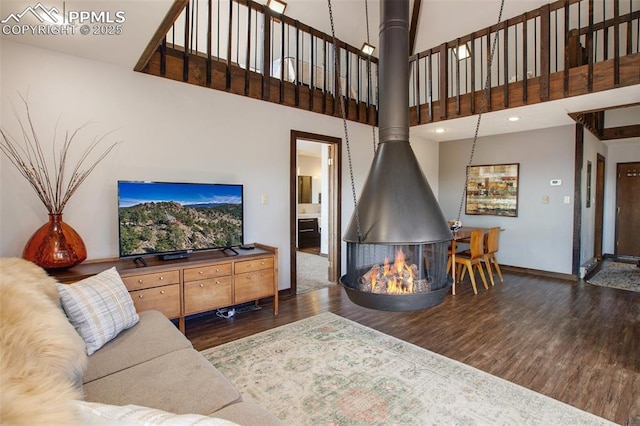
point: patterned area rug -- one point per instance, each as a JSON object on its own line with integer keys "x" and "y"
{"x": 327, "y": 370}
{"x": 625, "y": 276}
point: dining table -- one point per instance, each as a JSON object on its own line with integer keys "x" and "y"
{"x": 461, "y": 234}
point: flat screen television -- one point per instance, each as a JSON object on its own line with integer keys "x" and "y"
{"x": 173, "y": 219}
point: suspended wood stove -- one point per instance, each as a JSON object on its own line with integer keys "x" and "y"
{"x": 397, "y": 239}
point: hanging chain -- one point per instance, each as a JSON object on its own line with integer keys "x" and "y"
{"x": 487, "y": 84}
{"x": 373, "y": 128}
{"x": 336, "y": 70}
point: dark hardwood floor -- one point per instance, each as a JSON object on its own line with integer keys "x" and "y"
{"x": 574, "y": 342}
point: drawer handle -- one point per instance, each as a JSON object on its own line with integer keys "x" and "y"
{"x": 200, "y": 272}
{"x": 161, "y": 291}
{"x": 217, "y": 270}
{"x": 140, "y": 281}
{"x": 161, "y": 278}
{"x": 217, "y": 282}
{"x": 262, "y": 263}
{"x": 201, "y": 285}
{"x": 139, "y": 296}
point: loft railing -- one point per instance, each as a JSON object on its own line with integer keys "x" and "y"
{"x": 244, "y": 47}
{"x": 562, "y": 49}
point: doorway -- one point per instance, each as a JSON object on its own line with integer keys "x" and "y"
{"x": 315, "y": 210}
{"x": 628, "y": 206}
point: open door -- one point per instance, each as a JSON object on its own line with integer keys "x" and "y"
{"x": 307, "y": 224}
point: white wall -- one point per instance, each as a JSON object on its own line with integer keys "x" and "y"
{"x": 541, "y": 237}
{"x": 619, "y": 151}
{"x": 171, "y": 131}
{"x": 592, "y": 147}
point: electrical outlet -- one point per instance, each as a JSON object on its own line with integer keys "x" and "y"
{"x": 265, "y": 199}
{"x": 545, "y": 199}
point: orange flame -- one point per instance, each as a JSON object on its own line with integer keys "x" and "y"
{"x": 397, "y": 282}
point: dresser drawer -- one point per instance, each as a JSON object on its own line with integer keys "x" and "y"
{"x": 165, "y": 299}
{"x": 254, "y": 265}
{"x": 205, "y": 272}
{"x": 254, "y": 285}
{"x": 142, "y": 281}
{"x": 208, "y": 294}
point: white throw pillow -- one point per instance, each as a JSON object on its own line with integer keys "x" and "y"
{"x": 99, "y": 307}
{"x": 96, "y": 414}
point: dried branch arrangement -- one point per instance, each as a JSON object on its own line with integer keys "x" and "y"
{"x": 49, "y": 177}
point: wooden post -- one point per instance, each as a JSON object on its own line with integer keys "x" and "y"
{"x": 545, "y": 51}
{"x": 590, "y": 57}
{"x": 444, "y": 78}
{"x": 266, "y": 60}
{"x": 472, "y": 54}
{"x": 616, "y": 42}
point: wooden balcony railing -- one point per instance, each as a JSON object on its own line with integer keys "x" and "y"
{"x": 245, "y": 48}
{"x": 563, "y": 49}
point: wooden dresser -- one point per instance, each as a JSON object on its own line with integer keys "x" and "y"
{"x": 202, "y": 282}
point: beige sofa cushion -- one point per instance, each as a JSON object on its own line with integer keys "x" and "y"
{"x": 152, "y": 337}
{"x": 180, "y": 382}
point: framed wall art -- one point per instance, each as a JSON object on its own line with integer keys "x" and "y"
{"x": 492, "y": 190}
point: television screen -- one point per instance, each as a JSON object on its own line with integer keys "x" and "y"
{"x": 165, "y": 217}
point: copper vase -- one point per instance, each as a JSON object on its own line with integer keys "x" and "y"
{"x": 56, "y": 245}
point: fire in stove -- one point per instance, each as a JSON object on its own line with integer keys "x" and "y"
{"x": 397, "y": 277}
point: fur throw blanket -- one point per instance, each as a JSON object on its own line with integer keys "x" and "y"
{"x": 42, "y": 356}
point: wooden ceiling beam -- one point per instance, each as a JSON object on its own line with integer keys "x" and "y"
{"x": 170, "y": 18}
{"x": 622, "y": 132}
{"x": 413, "y": 29}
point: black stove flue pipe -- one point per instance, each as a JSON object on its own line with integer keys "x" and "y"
{"x": 397, "y": 205}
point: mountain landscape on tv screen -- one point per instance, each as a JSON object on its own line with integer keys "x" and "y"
{"x": 161, "y": 227}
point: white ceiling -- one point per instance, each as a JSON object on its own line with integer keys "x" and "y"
{"x": 440, "y": 21}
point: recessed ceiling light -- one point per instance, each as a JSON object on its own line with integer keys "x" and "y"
{"x": 440, "y": 130}
{"x": 514, "y": 118}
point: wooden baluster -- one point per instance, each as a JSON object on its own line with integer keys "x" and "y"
{"x": 505, "y": 45}
{"x": 590, "y": 58}
{"x": 209, "y": 37}
{"x": 525, "y": 76}
{"x": 185, "y": 54}
{"x": 297, "y": 81}
{"x": 312, "y": 81}
{"x": 282, "y": 60}
{"x": 417, "y": 78}
{"x": 229, "y": 47}
{"x": 488, "y": 78}
{"x": 248, "y": 61}
{"x": 430, "y": 85}
{"x": 444, "y": 74}
{"x": 457, "y": 59}
{"x": 567, "y": 56}
{"x": 616, "y": 42}
{"x": 545, "y": 51}
{"x": 472, "y": 91}
{"x": 163, "y": 57}
{"x": 266, "y": 56}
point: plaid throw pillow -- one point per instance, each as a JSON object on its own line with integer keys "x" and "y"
{"x": 99, "y": 307}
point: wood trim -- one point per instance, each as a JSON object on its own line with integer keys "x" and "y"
{"x": 335, "y": 249}
{"x": 413, "y": 29}
{"x": 172, "y": 14}
{"x": 622, "y": 132}
{"x": 540, "y": 273}
{"x": 577, "y": 197}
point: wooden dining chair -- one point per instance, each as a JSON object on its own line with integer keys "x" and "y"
{"x": 472, "y": 257}
{"x": 491, "y": 248}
